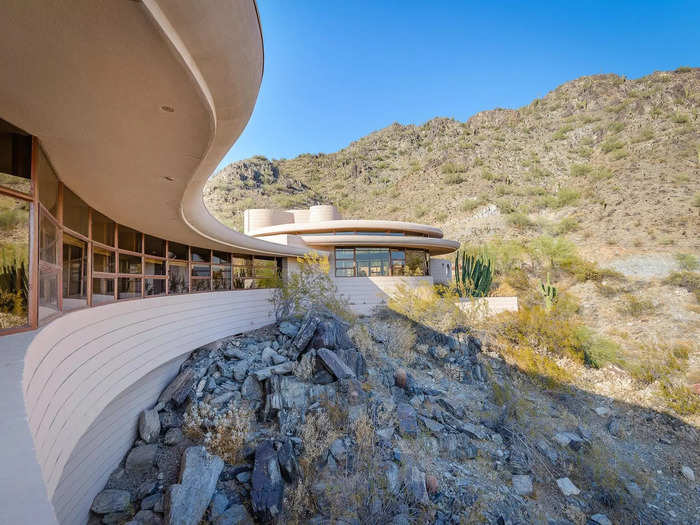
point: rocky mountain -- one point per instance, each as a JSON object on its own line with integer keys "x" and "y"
{"x": 610, "y": 161}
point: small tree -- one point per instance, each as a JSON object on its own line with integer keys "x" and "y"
{"x": 309, "y": 287}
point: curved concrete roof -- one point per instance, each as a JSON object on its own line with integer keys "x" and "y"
{"x": 348, "y": 224}
{"x": 433, "y": 245}
{"x": 138, "y": 91}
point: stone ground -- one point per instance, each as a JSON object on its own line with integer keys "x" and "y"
{"x": 314, "y": 421}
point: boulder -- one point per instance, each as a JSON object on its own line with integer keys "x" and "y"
{"x": 179, "y": 388}
{"x": 288, "y": 329}
{"x": 414, "y": 481}
{"x": 141, "y": 459}
{"x": 149, "y": 426}
{"x": 268, "y": 487}
{"x": 240, "y": 369}
{"x": 408, "y": 425}
{"x": 567, "y": 487}
{"x": 173, "y": 437}
{"x": 688, "y": 473}
{"x": 354, "y": 359}
{"x": 148, "y": 517}
{"x": 332, "y": 334}
{"x": 187, "y": 501}
{"x": 281, "y": 369}
{"x": 251, "y": 389}
{"x": 169, "y": 419}
{"x": 305, "y": 333}
{"x": 288, "y": 461}
{"x": 111, "y": 500}
{"x": 235, "y": 515}
{"x": 332, "y": 362}
{"x": 522, "y": 484}
{"x": 150, "y": 502}
{"x": 599, "y": 519}
{"x": 219, "y": 503}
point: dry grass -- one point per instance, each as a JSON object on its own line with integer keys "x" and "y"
{"x": 222, "y": 434}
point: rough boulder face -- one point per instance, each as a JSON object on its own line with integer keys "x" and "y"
{"x": 187, "y": 501}
{"x": 268, "y": 487}
{"x": 179, "y": 388}
{"x": 332, "y": 334}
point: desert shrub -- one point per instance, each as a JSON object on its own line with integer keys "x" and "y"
{"x": 222, "y": 434}
{"x": 680, "y": 398}
{"x": 562, "y": 132}
{"x": 696, "y": 198}
{"x": 566, "y": 225}
{"x": 399, "y": 337}
{"x": 519, "y": 221}
{"x": 616, "y": 127}
{"x": 425, "y": 306}
{"x": 309, "y": 287}
{"x": 687, "y": 262}
{"x": 470, "y": 205}
{"x": 564, "y": 197}
{"x": 611, "y": 144}
{"x": 598, "y": 350}
{"x": 555, "y": 251}
{"x": 539, "y": 367}
{"x": 451, "y": 167}
{"x": 505, "y": 205}
{"x": 634, "y": 306}
{"x": 644, "y": 135}
{"x": 688, "y": 280}
{"x": 680, "y": 118}
{"x": 659, "y": 363}
{"x": 454, "y": 178}
{"x": 580, "y": 170}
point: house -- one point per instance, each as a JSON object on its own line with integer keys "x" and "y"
{"x": 368, "y": 258}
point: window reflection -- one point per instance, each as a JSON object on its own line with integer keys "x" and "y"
{"x": 153, "y": 246}
{"x": 14, "y": 262}
{"x": 74, "y": 273}
{"x": 48, "y": 183}
{"x": 102, "y": 291}
{"x": 177, "y": 251}
{"x": 102, "y": 229}
{"x": 154, "y": 286}
{"x": 129, "y": 263}
{"x": 102, "y": 260}
{"x": 128, "y": 287}
{"x": 15, "y": 158}
{"x": 178, "y": 278}
{"x": 75, "y": 212}
{"x": 129, "y": 239}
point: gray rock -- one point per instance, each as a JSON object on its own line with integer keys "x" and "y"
{"x": 281, "y": 369}
{"x": 602, "y": 411}
{"x": 223, "y": 398}
{"x": 567, "y": 487}
{"x": 339, "y": 450}
{"x": 474, "y": 431}
{"x": 522, "y": 484}
{"x": 149, "y": 426}
{"x": 332, "y": 362}
{"x": 414, "y": 481}
{"x": 331, "y": 334}
{"x": 305, "y": 333}
{"x": 116, "y": 518}
{"x": 219, "y": 503}
{"x": 547, "y": 450}
{"x": 354, "y": 359}
{"x": 287, "y": 460}
{"x": 150, "y": 502}
{"x": 111, "y": 500}
{"x": 268, "y": 487}
{"x": 688, "y": 473}
{"x": 600, "y": 519}
{"x": 146, "y": 489}
{"x": 179, "y": 388}
{"x": 385, "y": 434}
{"x": 288, "y": 329}
{"x": 251, "y": 389}
{"x": 634, "y": 490}
{"x": 173, "y": 437}
{"x": 148, "y": 517}
{"x": 141, "y": 459}
{"x": 240, "y": 369}
{"x": 615, "y": 428}
{"x": 234, "y": 352}
{"x": 244, "y": 476}
{"x": 210, "y": 385}
{"x": 187, "y": 501}
{"x": 169, "y": 419}
{"x": 408, "y": 425}
{"x": 432, "y": 426}
{"x": 235, "y": 515}
{"x": 391, "y": 472}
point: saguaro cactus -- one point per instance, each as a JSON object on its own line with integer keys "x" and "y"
{"x": 549, "y": 293}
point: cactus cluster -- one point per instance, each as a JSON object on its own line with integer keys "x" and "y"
{"x": 549, "y": 293}
{"x": 473, "y": 275}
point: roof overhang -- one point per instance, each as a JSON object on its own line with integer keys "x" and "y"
{"x": 95, "y": 82}
{"x": 432, "y": 245}
{"x": 348, "y": 224}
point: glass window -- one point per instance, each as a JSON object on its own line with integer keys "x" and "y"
{"x": 220, "y": 257}
{"x": 102, "y": 229}
{"x": 154, "y": 286}
{"x": 153, "y": 267}
{"x": 74, "y": 273}
{"x": 102, "y": 260}
{"x": 200, "y": 254}
{"x": 48, "y": 183}
{"x": 128, "y": 287}
{"x": 48, "y": 239}
{"x": 177, "y": 251}
{"x": 129, "y": 264}
{"x": 221, "y": 277}
{"x": 398, "y": 262}
{"x": 129, "y": 239}
{"x": 416, "y": 263}
{"x": 153, "y": 246}
{"x": 264, "y": 267}
{"x": 201, "y": 285}
{"x": 344, "y": 268}
{"x": 242, "y": 266}
{"x": 344, "y": 253}
{"x": 15, "y": 158}
{"x": 14, "y": 262}
{"x": 102, "y": 291}
{"x": 48, "y": 293}
{"x": 372, "y": 262}
{"x": 178, "y": 278}
{"x": 75, "y": 212}
{"x": 200, "y": 270}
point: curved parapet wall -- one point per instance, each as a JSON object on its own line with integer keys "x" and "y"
{"x": 323, "y": 212}
{"x": 77, "y": 366}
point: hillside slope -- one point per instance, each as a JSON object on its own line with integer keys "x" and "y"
{"x": 609, "y": 160}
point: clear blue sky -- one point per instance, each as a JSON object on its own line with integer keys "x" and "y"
{"x": 335, "y": 71}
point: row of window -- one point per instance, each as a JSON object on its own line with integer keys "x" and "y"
{"x": 365, "y": 232}
{"x": 85, "y": 258}
{"x": 377, "y": 262}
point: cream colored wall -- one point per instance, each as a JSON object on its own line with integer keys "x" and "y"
{"x": 365, "y": 293}
{"x": 441, "y": 270}
{"x": 78, "y": 367}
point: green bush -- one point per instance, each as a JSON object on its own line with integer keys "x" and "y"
{"x": 688, "y": 280}
{"x": 580, "y": 170}
{"x": 611, "y": 144}
{"x": 687, "y": 262}
{"x": 519, "y": 221}
{"x": 454, "y": 178}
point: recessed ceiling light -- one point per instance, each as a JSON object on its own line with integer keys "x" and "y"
{"x": 168, "y": 109}
{"x": 169, "y": 179}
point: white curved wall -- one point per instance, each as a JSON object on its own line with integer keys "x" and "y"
{"x": 366, "y": 293}
{"x": 88, "y": 373}
{"x": 323, "y": 212}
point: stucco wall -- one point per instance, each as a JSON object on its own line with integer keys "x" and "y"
{"x": 365, "y": 293}
{"x": 88, "y": 373}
